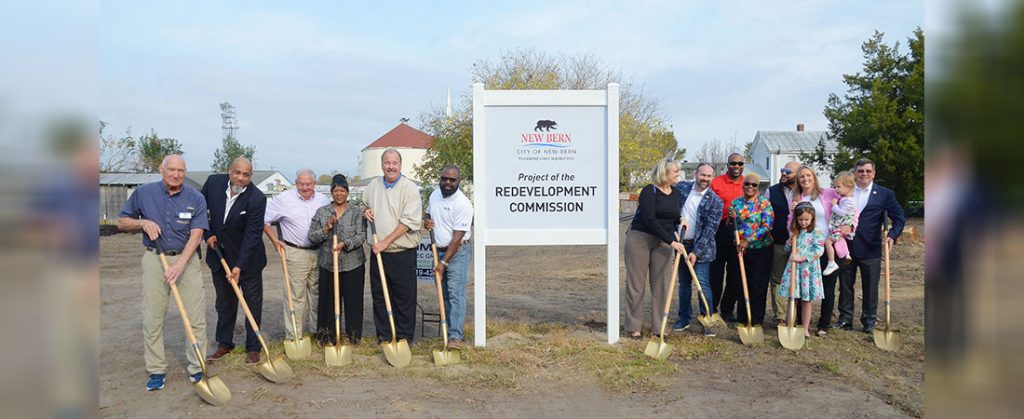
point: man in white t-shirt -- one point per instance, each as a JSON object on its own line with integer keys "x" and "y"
{"x": 450, "y": 217}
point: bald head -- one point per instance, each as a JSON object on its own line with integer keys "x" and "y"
{"x": 242, "y": 162}
{"x": 240, "y": 174}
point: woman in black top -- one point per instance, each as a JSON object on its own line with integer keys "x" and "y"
{"x": 651, "y": 245}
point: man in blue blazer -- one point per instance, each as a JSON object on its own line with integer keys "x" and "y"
{"x": 236, "y": 225}
{"x": 873, "y": 203}
{"x": 701, "y": 212}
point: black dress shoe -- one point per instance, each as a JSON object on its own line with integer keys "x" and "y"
{"x": 842, "y": 325}
{"x": 869, "y": 329}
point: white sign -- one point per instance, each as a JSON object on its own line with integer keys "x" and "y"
{"x": 425, "y": 261}
{"x": 546, "y": 173}
{"x": 545, "y": 167}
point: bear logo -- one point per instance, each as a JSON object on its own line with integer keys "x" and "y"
{"x": 546, "y": 125}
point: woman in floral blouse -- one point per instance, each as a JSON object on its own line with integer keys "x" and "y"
{"x": 754, "y": 219}
{"x": 345, "y": 220}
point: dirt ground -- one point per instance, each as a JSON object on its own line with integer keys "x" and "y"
{"x": 545, "y": 355}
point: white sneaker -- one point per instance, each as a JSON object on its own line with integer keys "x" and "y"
{"x": 831, "y": 267}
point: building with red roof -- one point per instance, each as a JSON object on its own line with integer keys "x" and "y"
{"x": 410, "y": 142}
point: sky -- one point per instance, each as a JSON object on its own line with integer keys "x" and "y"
{"x": 315, "y": 82}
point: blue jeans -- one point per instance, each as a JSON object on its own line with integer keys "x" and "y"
{"x": 703, "y": 270}
{"x": 456, "y": 276}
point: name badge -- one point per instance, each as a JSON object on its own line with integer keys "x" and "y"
{"x": 185, "y": 215}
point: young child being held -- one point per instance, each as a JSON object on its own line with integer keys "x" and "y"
{"x": 809, "y": 247}
{"x": 844, "y": 213}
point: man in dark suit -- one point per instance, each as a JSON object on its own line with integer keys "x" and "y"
{"x": 236, "y": 225}
{"x": 873, "y": 202}
{"x": 781, "y": 196}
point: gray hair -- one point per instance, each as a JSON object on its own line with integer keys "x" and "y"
{"x": 168, "y": 157}
{"x": 303, "y": 172}
{"x": 390, "y": 150}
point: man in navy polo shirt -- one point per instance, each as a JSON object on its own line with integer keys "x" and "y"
{"x": 174, "y": 214}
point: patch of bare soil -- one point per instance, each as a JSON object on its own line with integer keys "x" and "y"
{"x": 545, "y": 355}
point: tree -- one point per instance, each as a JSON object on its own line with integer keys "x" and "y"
{"x": 644, "y": 136}
{"x": 152, "y": 150}
{"x": 118, "y": 154}
{"x": 881, "y": 117}
{"x": 716, "y": 153}
{"x": 229, "y": 150}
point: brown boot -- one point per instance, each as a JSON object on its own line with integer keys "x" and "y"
{"x": 219, "y": 354}
{"x": 252, "y": 358}
{"x": 455, "y": 344}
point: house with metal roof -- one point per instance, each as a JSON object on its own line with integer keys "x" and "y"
{"x": 771, "y": 150}
{"x": 115, "y": 188}
{"x": 410, "y": 142}
{"x": 271, "y": 182}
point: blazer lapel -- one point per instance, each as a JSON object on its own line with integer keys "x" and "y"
{"x": 238, "y": 205}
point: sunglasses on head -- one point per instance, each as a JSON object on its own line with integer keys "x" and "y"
{"x": 786, "y": 171}
{"x": 752, "y": 184}
{"x": 736, "y": 163}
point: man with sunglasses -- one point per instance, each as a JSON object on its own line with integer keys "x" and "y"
{"x": 450, "y": 217}
{"x": 725, "y": 267}
{"x": 780, "y": 195}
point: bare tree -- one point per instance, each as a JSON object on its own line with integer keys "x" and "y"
{"x": 716, "y": 153}
{"x": 118, "y": 154}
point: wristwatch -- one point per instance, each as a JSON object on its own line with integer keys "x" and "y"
{"x": 444, "y": 263}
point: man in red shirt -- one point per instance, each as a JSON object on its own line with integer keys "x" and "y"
{"x": 728, "y": 186}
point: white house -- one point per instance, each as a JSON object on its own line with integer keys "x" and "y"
{"x": 771, "y": 150}
{"x": 270, "y": 182}
{"x": 410, "y": 142}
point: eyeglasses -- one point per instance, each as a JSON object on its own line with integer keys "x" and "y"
{"x": 736, "y": 163}
{"x": 751, "y": 184}
{"x": 448, "y": 179}
{"x": 786, "y": 171}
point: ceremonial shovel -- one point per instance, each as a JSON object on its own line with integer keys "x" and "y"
{"x": 397, "y": 351}
{"x": 210, "y": 387}
{"x": 887, "y": 338}
{"x": 707, "y": 319}
{"x": 750, "y": 334}
{"x": 657, "y": 348}
{"x": 338, "y": 354}
{"x": 299, "y": 347}
{"x": 275, "y": 369}
{"x": 444, "y": 356}
{"x": 790, "y": 336}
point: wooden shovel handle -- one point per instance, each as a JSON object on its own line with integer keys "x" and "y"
{"x": 241, "y": 300}
{"x": 337, "y": 289}
{"x": 287, "y": 281}
{"x": 384, "y": 285}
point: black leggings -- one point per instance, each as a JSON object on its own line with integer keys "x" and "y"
{"x": 351, "y": 301}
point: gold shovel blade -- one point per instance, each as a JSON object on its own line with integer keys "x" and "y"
{"x": 212, "y": 390}
{"x": 751, "y": 335}
{"x": 888, "y": 340}
{"x": 442, "y": 357}
{"x": 791, "y": 337}
{"x": 338, "y": 355}
{"x": 276, "y": 370}
{"x": 397, "y": 353}
{"x": 658, "y": 349}
{"x": 298, "y": 349}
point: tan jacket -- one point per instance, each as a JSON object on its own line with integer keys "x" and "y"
{"x": 399, "y": 204}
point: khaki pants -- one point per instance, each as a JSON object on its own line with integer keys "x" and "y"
{"x": 302, "y": 270}
{"x": 648, "y": 261}
{"x": 779, "y": 259}
{"x": 156, "y": 295}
